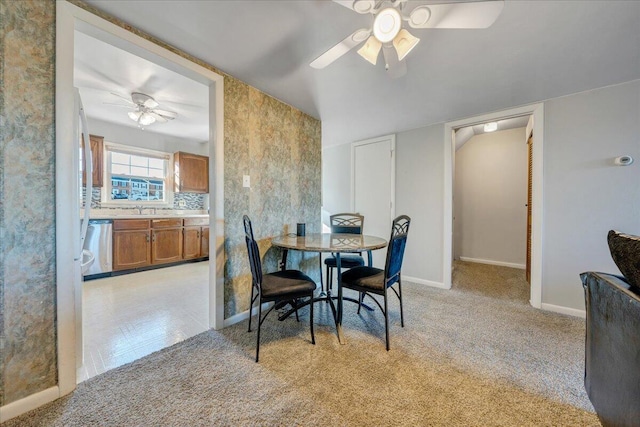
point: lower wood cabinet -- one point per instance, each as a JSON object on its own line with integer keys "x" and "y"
{"x": 131, "y": 244}
{"x": 140, "y": 243}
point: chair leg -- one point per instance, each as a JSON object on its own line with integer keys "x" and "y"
{"x": 296, "y": 308}
{"x": 313, "y": 337}
{"x": 386, "y": 319}
{"x": 360, "y": 298}
{"x": 400, "y": 297}
{"x": 320, "y": 263}
{"x": 250, "y": 308}
{"x": 259, "y": 324}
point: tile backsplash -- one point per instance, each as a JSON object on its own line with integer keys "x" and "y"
{"x": 192, "y": 201}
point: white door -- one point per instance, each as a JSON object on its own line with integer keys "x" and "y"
{"x": 373, "y": 187}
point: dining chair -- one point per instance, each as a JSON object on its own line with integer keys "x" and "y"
{"x": 284, "y": 285}
{"x": 370, "y": 280}
{"x": 344, "y": 223}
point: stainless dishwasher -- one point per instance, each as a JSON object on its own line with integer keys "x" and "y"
{"x": 99, "y": 242}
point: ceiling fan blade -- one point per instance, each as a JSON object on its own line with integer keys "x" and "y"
{"x": 128, "y": 100}
{"x": 150, "y": 103}
{"x": 394, "y": 67}
{"x": 360, "y": 6}
{"x": 341, "y": 48}
{"x": 169, "y": 115}
{"x": 158, "y": 117}
{"x": 119, "y": 105}
{"x": 456, "y": 15}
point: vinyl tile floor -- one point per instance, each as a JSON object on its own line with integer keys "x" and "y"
{"x": 128, "y": 317}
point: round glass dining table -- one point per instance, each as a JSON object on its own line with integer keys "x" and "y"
{"x": 336, "y": 243}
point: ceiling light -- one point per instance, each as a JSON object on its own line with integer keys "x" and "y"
{"x": 490, "y": 127}
{"x": 387, "y": 24}
{"x": 134, "y": 115}
{"x": 146, "y": 119}
{"x": 370, "y": 50}
{"x": 404, "y": 42}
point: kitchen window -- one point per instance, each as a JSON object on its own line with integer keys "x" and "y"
{"x": 136, "y": 176}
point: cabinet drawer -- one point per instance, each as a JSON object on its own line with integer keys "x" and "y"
{"x": 163, "y": 223}
{"x": 196, "y": 221}
{"x": 130, "y": 224}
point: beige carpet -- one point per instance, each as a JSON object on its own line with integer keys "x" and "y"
{"x": 476, "y": 355}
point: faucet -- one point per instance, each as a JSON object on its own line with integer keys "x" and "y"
{"x": 139, "y": 207}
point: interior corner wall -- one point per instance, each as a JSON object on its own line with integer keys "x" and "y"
{"x": 490, "y": 198}
{"x": 279, "y": 147}
{"x": 585, "y": 194}
{"x": 420, "y": 194}
{"x": 28, "y": 356}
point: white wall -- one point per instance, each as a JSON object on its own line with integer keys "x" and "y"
{"x": 584, "y": 194}
{"x": 419, "y": 194}
{"x": 144, "y": 138}
{"x": 490, "y": 196}
{"x": 336, "y": 179}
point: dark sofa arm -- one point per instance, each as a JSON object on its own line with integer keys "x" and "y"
{"x": 612, "y": 357}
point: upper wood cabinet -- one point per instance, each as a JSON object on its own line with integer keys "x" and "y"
{"x": 191, "y": 173}
{"x": 97, "y": 153}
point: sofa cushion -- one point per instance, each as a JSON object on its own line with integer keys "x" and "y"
{"x": 625, "y": 251}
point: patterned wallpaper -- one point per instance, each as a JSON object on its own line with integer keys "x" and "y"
{"x": 27, "y": 205}
{"x": 271, "y": 141}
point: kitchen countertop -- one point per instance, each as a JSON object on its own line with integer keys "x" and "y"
{"x": 146, "y": 216}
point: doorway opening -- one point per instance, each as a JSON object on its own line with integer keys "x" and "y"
{"x": 73, "y": 23}
{"x": 535, "y": 204}
{"x": 491, "y": 200}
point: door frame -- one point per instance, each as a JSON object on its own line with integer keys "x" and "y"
{"x": 378, "y": 139}
{"x": 537, "y": 111}
{"x": 68, "y": 18}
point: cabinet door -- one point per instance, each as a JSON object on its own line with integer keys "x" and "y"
{"x": 131, "y": 249}
{"x": 191, "y": 247}
{"x": 191, "y": 173}
{"x": 166, "y": 245}
{"x": 97, "y": 150}
{"x": 204, "y": 242}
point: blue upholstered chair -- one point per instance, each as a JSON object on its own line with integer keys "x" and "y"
{"x": 371, "y": 280}
{"x": 344, "y": 223}
{"x": 287, "y": 285}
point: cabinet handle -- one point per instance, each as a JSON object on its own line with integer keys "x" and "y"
{"x": 153, "y": 237}
{"x": 147, "y": 237}
{"x": 197, "y": 234}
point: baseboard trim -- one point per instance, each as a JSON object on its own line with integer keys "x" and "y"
{"x": 564, "y": 310}
{"x": 236, "y": 318}
{"x": 29, "y": 403}
{"x": 439, "y": 285}
{"x": 492, "y": 262}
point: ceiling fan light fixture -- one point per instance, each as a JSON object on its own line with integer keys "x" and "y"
{"x": 491, "y": 127}
{"x": 387, "y": 24}
{"x": 404, "y": 42}
{"x": 146, "y": 119}
{"x": 363, "y": 6}
{"x": 370, "y": 50}
{"x": 134, "y": 115}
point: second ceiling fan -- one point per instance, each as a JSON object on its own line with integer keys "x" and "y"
{"x": 387, "y": 32}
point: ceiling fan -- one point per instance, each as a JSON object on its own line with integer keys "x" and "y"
{"x": 145, "y": 111}
{"x": 387, "y": 32}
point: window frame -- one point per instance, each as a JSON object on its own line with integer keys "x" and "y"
{"x": 105, "y": 194}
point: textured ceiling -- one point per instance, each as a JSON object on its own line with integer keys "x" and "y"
{"x": 536, "y": 50}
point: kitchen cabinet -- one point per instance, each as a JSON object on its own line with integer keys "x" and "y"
{"x": 97, "y": 154}
{"x": 131, "y": 244}
{"x": 191, "y": 173}
{"x": 166, "y": 240}
{"x": 204, "y": 242}
{"x": 196, "y": 238}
